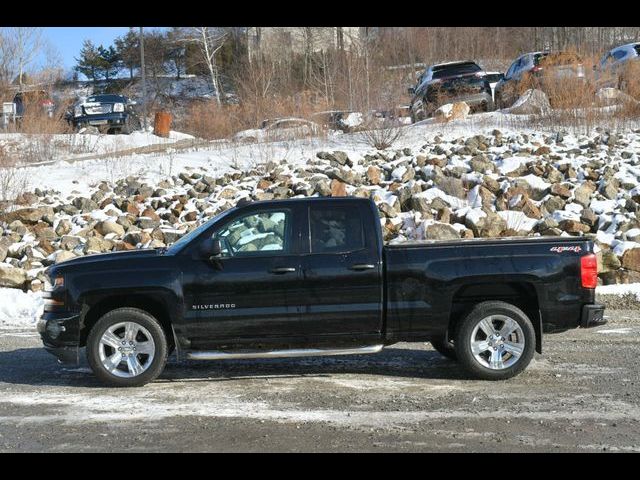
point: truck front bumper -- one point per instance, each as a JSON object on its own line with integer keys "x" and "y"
{"x": 100, "y": 120}
{"x": 592, "y": 316}
{"x": 59, "y": 333}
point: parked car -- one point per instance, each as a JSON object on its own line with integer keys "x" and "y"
{"x": 493, "y": 78}
{"x": 35, "y": 101}
{"x": 311, "y": 277}
{"x": 278, "y": 130}
{"x": 612, "y": 70}
{"x": 108, "y": 112}
{"x": 333, "y": 119}
{"x": 541, "y": 70}
{"x": 448, "y": 83}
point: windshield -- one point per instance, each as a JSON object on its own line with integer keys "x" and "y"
{"x": 186, "y": 239}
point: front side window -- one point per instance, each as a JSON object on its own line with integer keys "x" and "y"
{"x": 255, "y": 233}
{"x": 336, "y": 230}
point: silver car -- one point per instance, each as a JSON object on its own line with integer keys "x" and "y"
{"x": 610, "y": 69}
{"x": 530, "y": 69}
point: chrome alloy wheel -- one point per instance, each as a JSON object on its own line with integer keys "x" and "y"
{"x": 497, "y": 342}
{"x": 126, "y": 349}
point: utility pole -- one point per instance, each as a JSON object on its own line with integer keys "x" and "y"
{"x": 144, "y": 81}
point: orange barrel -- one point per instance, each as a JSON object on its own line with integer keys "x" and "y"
{"x": 162, "y": 124}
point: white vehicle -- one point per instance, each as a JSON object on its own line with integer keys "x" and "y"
{"x": 279, "y": 129}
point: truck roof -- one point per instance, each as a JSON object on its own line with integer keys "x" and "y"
{"x": 306, "y": 199}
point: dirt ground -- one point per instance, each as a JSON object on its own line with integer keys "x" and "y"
{"x": 581, "y": 395}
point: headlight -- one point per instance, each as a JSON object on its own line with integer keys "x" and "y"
{"x": 57, "y": 282}
{"x": 118, "y": 107}
{"x": 77, "y": 112}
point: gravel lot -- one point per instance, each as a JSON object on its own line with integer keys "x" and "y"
{"x": 582, "y": 395}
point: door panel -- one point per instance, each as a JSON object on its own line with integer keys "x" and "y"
{"x": 253, "y": 289}
{"x": 342, "y": 274}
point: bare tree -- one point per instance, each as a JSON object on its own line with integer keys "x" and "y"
{"x": 210, "y": 40}
{"x": 27, "y": 43}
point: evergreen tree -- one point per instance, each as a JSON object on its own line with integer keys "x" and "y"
{"x": 90, "y": 63}
{"x": 176, "y": 50}
{"x": 128, "y": 48}
{"x": 110, "y": 61}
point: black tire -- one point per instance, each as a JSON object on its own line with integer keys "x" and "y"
{"x": 143, "y": 319}
{"x": 513, "y": 364}
{"x": 445, "y": 348}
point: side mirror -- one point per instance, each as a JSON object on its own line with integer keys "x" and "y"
{"x": 411, "y": 90}
{"x": 216, "y": 248}
{"x": 210, "y": 248}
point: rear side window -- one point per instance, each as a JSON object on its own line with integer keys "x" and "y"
{"x": 336, "y": 230}
{"x": 619, "y": 54}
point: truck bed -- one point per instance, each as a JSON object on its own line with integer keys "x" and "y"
{"x": 426, "y": 281}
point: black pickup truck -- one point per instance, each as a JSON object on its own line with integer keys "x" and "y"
{"x": 309, "y": 277}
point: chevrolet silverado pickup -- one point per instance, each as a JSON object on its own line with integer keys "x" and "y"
{"x": 311, "y": 277}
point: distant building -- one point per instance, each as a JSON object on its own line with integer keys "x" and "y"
{"x": 283, "y": 41}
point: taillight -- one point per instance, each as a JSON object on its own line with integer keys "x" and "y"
{"x": 589, "y": 271}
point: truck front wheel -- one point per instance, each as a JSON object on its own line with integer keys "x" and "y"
{"x": 127, "y": 347}
{"x": 495, "y": 341}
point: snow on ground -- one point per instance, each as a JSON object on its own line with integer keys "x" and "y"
{"x": 620, "y": 289}
{"x": 223, "y": 156}
{"x": 19, "y": 309}
{"x": 70, "y": 146}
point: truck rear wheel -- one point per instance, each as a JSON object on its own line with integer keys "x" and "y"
{"x": 495, "y": 341}
{"x": 127, "y": 347}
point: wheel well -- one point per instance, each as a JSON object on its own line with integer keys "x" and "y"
{"x": 521, "y": 294}
{"x": 147, "y": 303}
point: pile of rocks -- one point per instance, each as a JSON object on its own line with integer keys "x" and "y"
{"x": 491, "y": 185}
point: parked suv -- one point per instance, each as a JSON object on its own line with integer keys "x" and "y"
{"x": 108, "y": 112}
{"x": 541, "y": 70}
{"x": 448, "y": 83}
{"x": 613, "y": 68}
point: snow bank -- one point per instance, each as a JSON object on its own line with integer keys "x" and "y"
{"x": 19, "y": 309}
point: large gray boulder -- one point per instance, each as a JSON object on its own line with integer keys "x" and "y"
{"x": 531, "y": 102}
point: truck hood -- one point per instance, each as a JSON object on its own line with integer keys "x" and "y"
{"x": 125, "y": 255}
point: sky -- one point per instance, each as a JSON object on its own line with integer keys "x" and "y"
{"x": 67, "y": 41}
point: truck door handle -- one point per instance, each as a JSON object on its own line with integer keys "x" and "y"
{"x": 362, "y": 266}
{"x": 282, "y": 270}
